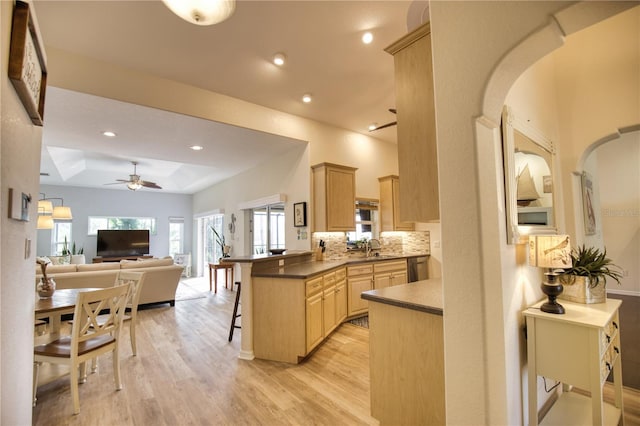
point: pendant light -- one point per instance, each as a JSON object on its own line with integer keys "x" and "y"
{"x": 202, "y": 12}
{"x": 44, "y": 222}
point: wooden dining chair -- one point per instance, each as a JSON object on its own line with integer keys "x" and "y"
{"x": 135, "y": 280}
{"x": 89, "y": 337}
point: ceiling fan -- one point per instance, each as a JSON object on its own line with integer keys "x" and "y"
{"x": 393, "y": 123}
{"x": 134, "y": 183}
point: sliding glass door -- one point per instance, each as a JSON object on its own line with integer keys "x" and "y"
{"x": 209, "y": 251}
{"x": 267, "y": 228}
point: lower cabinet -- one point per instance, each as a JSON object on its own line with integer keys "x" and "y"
{"x": 387, "y": 274}
{"x": 359, "y": 279}
{"x": 294, "y": 315}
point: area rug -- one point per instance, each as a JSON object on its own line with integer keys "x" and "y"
{"x": 361, "y": 322}
{"x": 188, "y": 292}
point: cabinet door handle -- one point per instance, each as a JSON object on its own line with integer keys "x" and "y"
{"x": 615, "y": 348}
{"x": 615, "y": 325}
{"x": 608, "y": 339}
{"x": 608, "y": 366}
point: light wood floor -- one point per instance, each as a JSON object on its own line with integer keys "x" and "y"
{"x": 187, "y": 373}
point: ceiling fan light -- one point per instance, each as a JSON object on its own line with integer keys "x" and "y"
{"x": 45, "y": 207}
{"x": 62, "y": 213}
{"x": 279, "y": 59}
{"x": 202, "y": 12}
{"x": 373, "y": 126}
{"x": 134, "y": 186}
{"x": 44, "y": 222}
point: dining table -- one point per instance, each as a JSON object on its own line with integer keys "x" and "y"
{"x": 63, "y": 301}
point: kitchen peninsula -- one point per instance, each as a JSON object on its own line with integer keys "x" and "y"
{"x": 406, "y": 344}
{"x": 291, "y": 303}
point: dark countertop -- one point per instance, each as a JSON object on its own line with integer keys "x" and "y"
{"x": 308, "y": 269}
{"x": 265, "y": 257}
{"x": 424, "y": 296}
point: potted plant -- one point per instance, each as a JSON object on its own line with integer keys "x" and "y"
{"x": 585, "y": 281}
{"x": 225, "y": 249}
{"x": 77, "y": 256}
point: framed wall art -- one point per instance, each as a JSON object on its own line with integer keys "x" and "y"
{"x": 587, "y": 204}
{"x": 300, "y": 214}
{"x": 27, "y": 68}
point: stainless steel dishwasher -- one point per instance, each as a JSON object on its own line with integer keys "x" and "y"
{"x": 418, "y": 269}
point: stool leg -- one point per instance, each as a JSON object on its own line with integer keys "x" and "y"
{"x": 235, "y": 313}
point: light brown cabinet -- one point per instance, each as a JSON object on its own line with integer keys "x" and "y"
{"x": 387, "y": 274}
{"x": 313, "y": 313}
{"x": 389, "y": 206}
{"x": 417, "y": 149}
{"x": 334, "y": 197}
{"x": 341, "y": 295}
{"x": 359, "y": 279}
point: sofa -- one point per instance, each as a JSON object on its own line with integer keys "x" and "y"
{"x": 160, "y": 283}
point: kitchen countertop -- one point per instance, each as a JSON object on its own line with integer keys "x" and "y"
{"x": 424, "y": 296}
{"x": 308, "y": 269}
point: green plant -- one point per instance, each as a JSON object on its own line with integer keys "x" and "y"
{"x": 65, "y": 248}
{"x": 219, "y": 239}
{"x": 74, "y": 251}
{"x": 593, "y": 263}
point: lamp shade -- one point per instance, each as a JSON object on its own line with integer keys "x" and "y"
{"x": 550, "y": 251}
{"x": 62, "y": 213}
{"x": 202, "y": 12}
{"x": 44, "y": 222}
{"x": 45, "y": 207}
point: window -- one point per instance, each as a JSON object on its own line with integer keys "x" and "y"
{"x": 126, "y": 223}
{"x": 176, "y": 235}
{"x": 61, "y": 230}
{"x": 366, "y": 222}
{"x": 268, "y": 228}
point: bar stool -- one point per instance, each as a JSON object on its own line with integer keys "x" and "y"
{"x": 235, "y": 312}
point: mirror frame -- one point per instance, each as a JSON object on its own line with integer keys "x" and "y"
{"x": 517, "y": 234}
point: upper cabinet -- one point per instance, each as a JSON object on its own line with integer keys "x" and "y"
{"x": 417, "y": 151}
{"x": 334, "y": 197}
{"x": 390, "y": 207}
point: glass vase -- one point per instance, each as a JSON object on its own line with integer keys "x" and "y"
{"x": 46, "y": 288}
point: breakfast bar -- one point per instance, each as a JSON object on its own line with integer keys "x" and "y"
{"x": 406, "y": 345}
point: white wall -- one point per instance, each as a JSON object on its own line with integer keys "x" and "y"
{"x": 20, "y": 144}
{"x": 85, "y": 202}
{"x": 619, "y": 182}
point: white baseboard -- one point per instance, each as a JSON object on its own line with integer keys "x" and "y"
{"x": 623, "y": 292}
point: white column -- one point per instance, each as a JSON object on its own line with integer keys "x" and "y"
{"x": 246, "y": 300}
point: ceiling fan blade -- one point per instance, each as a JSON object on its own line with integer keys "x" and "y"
{"x": 148, "y": 184}
{"x": 120, "y": 182}
{"x": 384, "y": 126}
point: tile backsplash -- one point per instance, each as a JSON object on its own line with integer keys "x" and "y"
{"x": 392, "y": 243}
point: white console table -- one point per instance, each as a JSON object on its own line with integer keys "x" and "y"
{"x": 579, "y": 348}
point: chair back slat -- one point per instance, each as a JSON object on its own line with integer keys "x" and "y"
{"x": 88, "y": 307}
{"x": 135, "y": 280}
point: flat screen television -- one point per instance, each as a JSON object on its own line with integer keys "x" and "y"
{"x": 117, "y": 243}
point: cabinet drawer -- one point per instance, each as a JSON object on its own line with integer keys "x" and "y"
{"x": 314, "y": 285}
{"x": 329, "y": 279}
{"x": 396, "y": 265}
{"x": 341, "y": 274}
{"x": 359, "y": 270}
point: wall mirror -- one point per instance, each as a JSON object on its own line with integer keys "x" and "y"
{"x": 529, "y": 179}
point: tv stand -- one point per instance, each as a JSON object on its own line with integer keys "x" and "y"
{"x": 119, "y": 258}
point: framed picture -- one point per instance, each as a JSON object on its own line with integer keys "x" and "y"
{"x": 300, "y": 214}
{"x": 587, "y": 204}
{"x": 27, "y": 69}
{"x": 19, "y": 205}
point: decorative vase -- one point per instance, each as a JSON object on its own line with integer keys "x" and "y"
{"x": 46, "y": 288}
{"x": 78, "y": 259}
{"x": 581, "y": 289}
{"x": 225, "y": 251}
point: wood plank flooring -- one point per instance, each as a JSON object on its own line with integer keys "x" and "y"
{"x": 187, "y": 373}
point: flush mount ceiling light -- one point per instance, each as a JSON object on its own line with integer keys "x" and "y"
{"x": 367, "y": 37}
{"x": 306, "y": 98}
{"x": 109, "y": 134}
{"x": 279, "y": 59}
{"x": 196, "y": 147}
{"x": 202, "y": 12}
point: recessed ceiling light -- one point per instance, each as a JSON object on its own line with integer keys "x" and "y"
{"x": 197, "y": 147}
{"x": 109, "y": 134}
{"x": 306, "y": 98}
{"x": 373, "y": 126}
{"x": 367, "y": 37}
{"x": 279, "y": 59}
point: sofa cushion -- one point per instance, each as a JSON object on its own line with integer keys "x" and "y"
{"x": 56, "y": 269}
{"x": 103, "y": 266}
{"x": 147, "y": 263}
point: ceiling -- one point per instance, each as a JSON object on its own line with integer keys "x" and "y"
{"x": 351, "y": 84}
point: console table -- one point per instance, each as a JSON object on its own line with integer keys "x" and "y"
{"x": 119, "y": 258}
{"x": 579, "y": 348}
{"x": 213, "y": 274}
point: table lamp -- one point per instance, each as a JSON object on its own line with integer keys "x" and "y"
{"x": 551, "y": 252}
